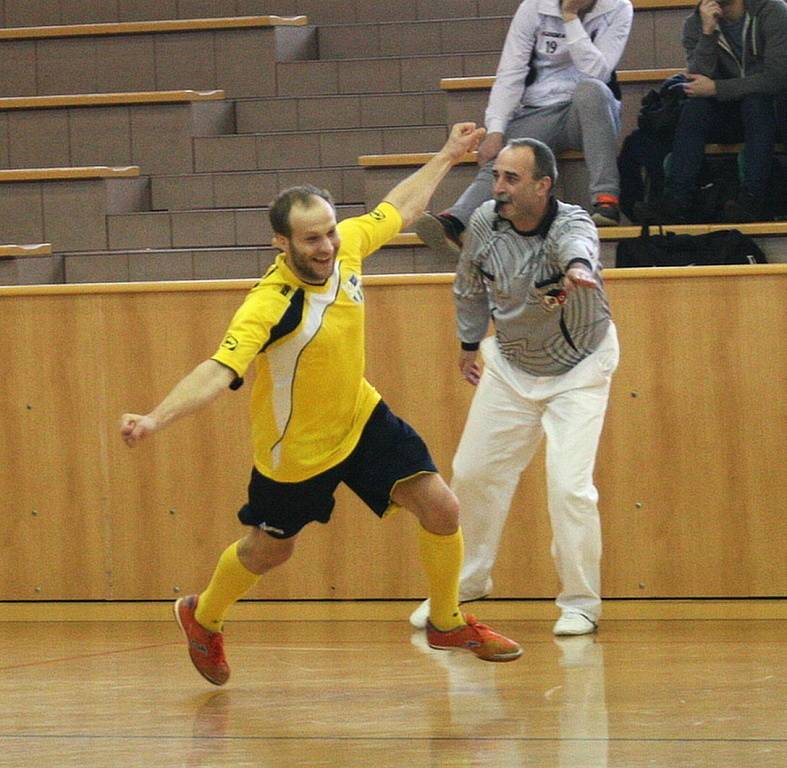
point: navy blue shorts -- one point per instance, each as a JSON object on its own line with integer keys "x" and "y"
{"x": 388, "y": 450}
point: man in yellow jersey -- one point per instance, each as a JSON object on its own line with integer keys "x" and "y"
{"x": 316, "y": 421}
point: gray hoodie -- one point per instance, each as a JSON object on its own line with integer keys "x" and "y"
{"x": 763, "y": 65}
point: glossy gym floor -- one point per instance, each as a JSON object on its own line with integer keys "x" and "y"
{"x": 319, "y": 691}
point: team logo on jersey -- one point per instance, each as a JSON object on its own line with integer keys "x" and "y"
{"x": 554, "y": 298}
{"x": 352, "y": 287}
{"x": 230, "y": 342}
{"x": 377, "y": 215}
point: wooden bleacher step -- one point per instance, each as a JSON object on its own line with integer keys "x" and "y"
{"x": 657, "y": 5}
{"x": 13, "y": 251}
{"x": 150, "y": 27}
{"x": 624, "y": 76}
{"x": 109, "y": 99}
{"x": 761, "y": 229}
{"x": 63, "y": 174}
{"x": 420, "y": 158}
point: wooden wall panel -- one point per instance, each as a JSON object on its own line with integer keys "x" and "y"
{"x": 691, "y": 494}
{"x": 52, "y": 449}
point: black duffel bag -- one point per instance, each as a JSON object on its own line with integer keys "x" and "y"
{"x": 726, "y": 246}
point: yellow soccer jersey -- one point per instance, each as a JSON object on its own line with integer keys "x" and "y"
{"x": 310, "y": 400}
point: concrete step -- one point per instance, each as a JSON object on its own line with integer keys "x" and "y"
{"x": 241, "y": 59}
{"x": 154, "y": 136}
{"x": 654, "y": 40}
{"x": 23, "y": 13}
{"x": 417, "y": 38}
{"x": 419, "y": 72}
{"x": 156, "y": 230}
{"x": 324, "y": 149}
{"x": 235, "y": 262}
{"x": 69, "y": 213}
{"x": 349, "y": 111}
{"x": 250, "y": 189}
{"x": 390, "y": 75}
{"x": 166, "y": 264}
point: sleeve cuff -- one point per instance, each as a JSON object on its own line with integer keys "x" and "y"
{"x": 584, "y": 262}
{"x": 470, "y": 346}
{"x": 495, "y": 126}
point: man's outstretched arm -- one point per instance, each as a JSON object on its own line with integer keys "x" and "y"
{"x": 193, "y": 391}
{"x": 411, "y": 196}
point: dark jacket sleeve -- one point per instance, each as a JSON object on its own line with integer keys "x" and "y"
{"x": 773, "y": 76}
{"x": 702, "y": 51}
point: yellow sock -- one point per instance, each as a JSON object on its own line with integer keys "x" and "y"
{"x": 442, "y": 560}
{"x": 231, "y": 580}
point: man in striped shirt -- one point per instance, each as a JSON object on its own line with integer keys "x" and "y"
{"x": 531, "y": 264}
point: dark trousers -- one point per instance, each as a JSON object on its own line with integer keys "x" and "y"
{"x": 751, "y": 120}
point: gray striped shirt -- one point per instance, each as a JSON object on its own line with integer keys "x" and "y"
{"x": 517, "y": 279}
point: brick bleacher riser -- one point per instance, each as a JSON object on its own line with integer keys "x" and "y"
{"x": 71, "y": 214}
{"x": 24, "y": 13}
{"x": 390, "y": 110}
{"x": 324, "y": 149}
{"x": 196, "y": 229}
{"x": 249, "y": 188}
{"x": 416, "y": 64}
{"x": 242, "y": 60}
{"x": 158, "y": 137}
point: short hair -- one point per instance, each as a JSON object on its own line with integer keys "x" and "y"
{"x": 544, "y": 163}
{"x": 302, "y": 195}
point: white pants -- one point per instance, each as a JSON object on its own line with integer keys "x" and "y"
{"x": 510, "y": 412}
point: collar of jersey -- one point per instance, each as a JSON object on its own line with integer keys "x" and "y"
{"x": 291, "y": 277}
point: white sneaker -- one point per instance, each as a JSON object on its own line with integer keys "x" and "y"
{"x": 420, "y": 615}
{"x": 574, "y": 624}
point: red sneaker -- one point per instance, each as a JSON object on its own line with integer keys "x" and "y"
{"x": 477, "y": 638}
{"x": 206, "y": 648}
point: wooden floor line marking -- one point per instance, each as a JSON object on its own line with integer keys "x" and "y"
{"x": 44, "y": 662}
{"x": 474, "y": 738}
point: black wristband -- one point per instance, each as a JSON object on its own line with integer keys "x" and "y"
{"x": 470, "y": 346}
{"x": 584, "y": 262}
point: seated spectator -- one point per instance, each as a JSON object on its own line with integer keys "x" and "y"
{"x": 556, "y": 83}
{"x": 737, "y": 62}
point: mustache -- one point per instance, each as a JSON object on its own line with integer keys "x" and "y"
{"x": 500, "y": 201}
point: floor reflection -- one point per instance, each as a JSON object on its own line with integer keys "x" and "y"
{"x": 584, "y": 721}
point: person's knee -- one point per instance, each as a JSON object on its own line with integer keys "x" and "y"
{"x": 578, "y": 497}
{"x": 441, "y": 517}
{"x": 432, "y": 502}
{"x": 259, "y": 551}
{"x": 695, "y": 113}
{"x": 591, "y": 92}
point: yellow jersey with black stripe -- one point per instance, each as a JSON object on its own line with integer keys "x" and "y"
{"x": 310, "y": 400}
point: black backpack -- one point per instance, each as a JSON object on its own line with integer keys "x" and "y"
{"x": 726, "y": 246}
{"x": 641, "y": 159}
{"x": 660, "y": 109}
